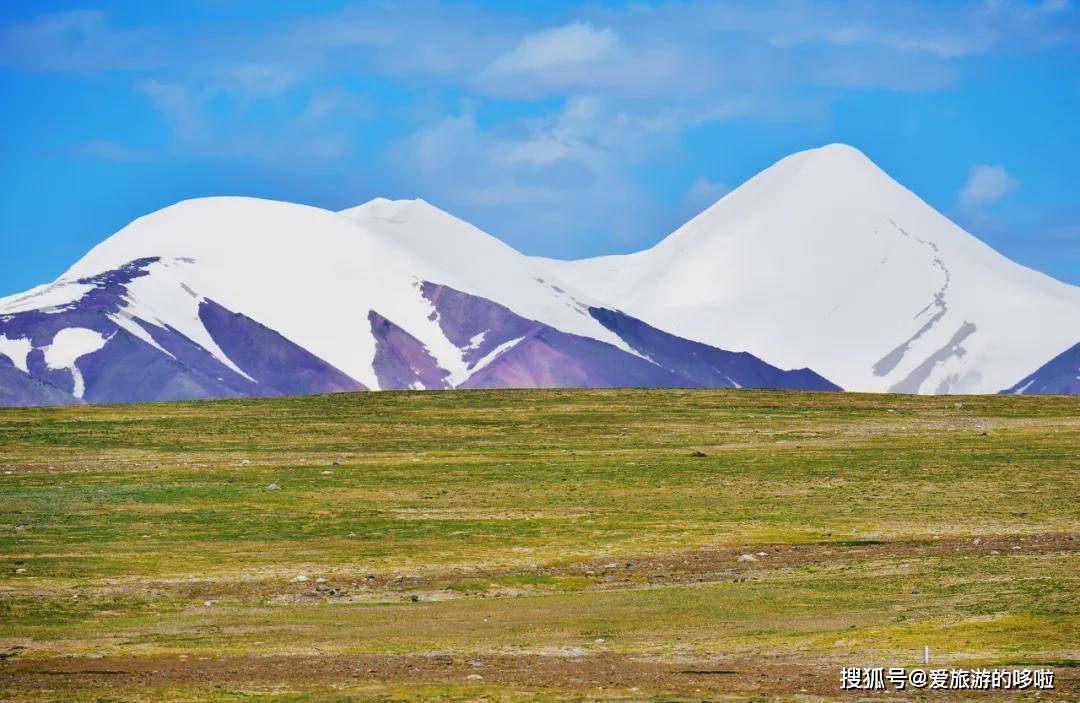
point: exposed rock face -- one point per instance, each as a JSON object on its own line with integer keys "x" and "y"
{"x": 707, "y": 365}
{"x": 401, "y": 360}
{"x": 17, "y": 388}
{"x": 503, "y": 349}
{"x": 101, "y": 348}
{"x": 278, "y": 366}
{"x": 1060, "y": 375}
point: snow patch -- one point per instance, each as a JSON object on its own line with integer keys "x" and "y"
{"x": 476, "y": 340}
{"x": 52, "y": 295}
{"x": 1021, "y": 389}
{"x": 494, "y": 354}
{"x": 68, "y": 346}
{"x": 126, "y": 321}
{"x": 17, "y": 350}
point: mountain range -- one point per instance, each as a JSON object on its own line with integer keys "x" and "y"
{"x": 820, "y": 273}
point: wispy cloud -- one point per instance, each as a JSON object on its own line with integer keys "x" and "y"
{"x": 559, "y": 48}
{"x": 552, "y": 180}
{"x": 595, "y": 92}
{"x": 985, "y": 185}
{"x": 682, "y": 43}
{"x": 181, "y": 106}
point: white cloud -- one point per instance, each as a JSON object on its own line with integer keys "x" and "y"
{"x": 557, "y": 48}
{"x": 437, "y": 149}
{"x": 630, "y": 80}
{"x": 656, "y": 49}
{"x": 599, "y": 133}
{"x": 182, "y": 107}
{"x": 232, "y": 130}
{"x": 569, "y": 135}
{"x": 544, "y": 183}
{"x": 985, "y": 185}
{"x": 580, "y": 57}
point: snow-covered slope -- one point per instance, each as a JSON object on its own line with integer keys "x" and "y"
{"x": 239, "y": 296}
{"x": 823, "y": 260}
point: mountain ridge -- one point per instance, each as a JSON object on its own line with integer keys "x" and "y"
{"x": 822, "y": 264}
{"x": 225, "y": 297}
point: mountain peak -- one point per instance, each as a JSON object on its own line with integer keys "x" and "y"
{"x": 835, "y": 153}
{"x": 807, "y": 184}
{"x": 389, "y": 210}
{"x": 837, "y": 149}
{"x": 827, "y": 165}
{"x": 824, "y": 260}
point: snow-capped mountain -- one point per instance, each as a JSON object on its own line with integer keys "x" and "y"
{"x": 823, "y": 260}
{"x": 225, "y": 297}
{"x": 820, "y": 262}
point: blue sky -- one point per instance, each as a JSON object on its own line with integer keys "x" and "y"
{"x": 567, "y": 129}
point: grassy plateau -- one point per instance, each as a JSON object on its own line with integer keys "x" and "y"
{"x": 558, "y": 545}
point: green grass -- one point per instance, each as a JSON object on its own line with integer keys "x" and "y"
{"x": 498, "y": 511}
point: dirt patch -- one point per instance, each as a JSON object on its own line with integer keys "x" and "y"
{"x": 705, "y": 566}
{"x": 712, "y": 566}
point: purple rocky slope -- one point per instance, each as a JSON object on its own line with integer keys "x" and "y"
{"x": 503, "y": 349}
{"x": 401, "y": 360}
{"x": 135, "y": 360}
{"x": 547, "y": 358}
{"x": 18, "y": 388}
{"x": 707, "y": 365}
{"x": 126, "y": 368}
{"x": 1060, "y": 375}
{"x": 279, "y": 366}
{"x": 168, "y": 366}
